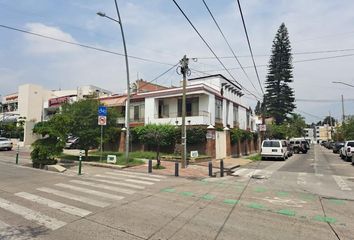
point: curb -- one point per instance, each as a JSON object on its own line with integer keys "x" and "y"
{"x": 104, "y": 165}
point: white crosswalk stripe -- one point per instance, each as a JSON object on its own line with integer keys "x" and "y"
{"x": 74, "y": 197}
{"x": 142, "y": 174}
{"x": 103, "y": 186}
{"x": 113, "y": 176}
{"x": 54, "y": 204}
{"x": 341, "y": 183}
{"x": 89, "y": 191}
{"x": 31, "y": 215}
{"x": 131, "y": 176}
{"x": 116, "y": 183}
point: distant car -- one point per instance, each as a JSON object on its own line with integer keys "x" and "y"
{"x": 348, "y": 150}
{"x": 72, "y": 143}
{"x": 337, "y": 146}
{"x": 273, "y": 149}
{"x": 5, "y": 144}
{"x": 299, "y": 145}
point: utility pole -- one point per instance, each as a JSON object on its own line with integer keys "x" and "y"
{"x": 184, "y": 70}
{"x": 343, "y": 116}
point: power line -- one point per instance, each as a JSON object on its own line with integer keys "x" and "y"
{"x": 228, "y": 44}
{"x": 249, "y": 44}
{"x": 324, "y": 100}
{"x": 299, "y": 61}
{"x": 81, "y": 45}
{"x": 205, "y": 42}
{"x": 294, "y": 53}
{"x": 309, "y": 114}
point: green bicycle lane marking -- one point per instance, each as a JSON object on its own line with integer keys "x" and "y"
{"x": 325, "y": 219}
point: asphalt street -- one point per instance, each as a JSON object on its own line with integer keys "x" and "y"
{"x": 308, "y": 196}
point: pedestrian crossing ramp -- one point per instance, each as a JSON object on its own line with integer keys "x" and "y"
{"x": 71, "y": 200}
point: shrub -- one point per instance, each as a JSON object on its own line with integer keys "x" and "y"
{"x": 44, "y": 151}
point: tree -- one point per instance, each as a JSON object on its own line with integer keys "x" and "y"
{"x": 82, "y": 116}
{"x": 296, "y": 125}
{"x": 330, "y": 121}
{"x": 279, "y": 95}
{"x": 347, "y": 128}
{"x": 257, "y": 109}
{"x": 156, "y": 135}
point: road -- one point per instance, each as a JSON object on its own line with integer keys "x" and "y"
{"x": 309, "y": 196}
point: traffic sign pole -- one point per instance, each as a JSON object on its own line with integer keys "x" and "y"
{"x": 80, "y": 159}
{"x": 101, "y": 143}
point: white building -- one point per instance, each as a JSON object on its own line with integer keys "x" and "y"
{"x": 310, "y": 134}
{"x": 212, "y": 100}
{"x": 33, "y": 103}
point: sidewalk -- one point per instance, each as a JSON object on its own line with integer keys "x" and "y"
{"x": 197, "y": 171}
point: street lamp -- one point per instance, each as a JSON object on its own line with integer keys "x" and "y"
{"x": 127, "y": 111}
{"x": 347, "y": 84}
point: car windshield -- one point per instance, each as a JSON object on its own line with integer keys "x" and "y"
{"x": 350, "y": 144}
{"x": 271, "y": 144}
{"x": 3, "y": 139}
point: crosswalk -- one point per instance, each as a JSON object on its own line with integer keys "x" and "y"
{"x": 302, "y": 179}
{"x": 39, "y": 205}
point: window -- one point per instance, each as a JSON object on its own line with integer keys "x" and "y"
{"x": 248, "y": 119}
{"x": 271, "y": 144}
{"x": 218, "y": 110}
{"x": 192, "y": 107}
{"x": 235, "y": 110}
{"x": 163, "y": 109}
{"x": 137, "y": 112}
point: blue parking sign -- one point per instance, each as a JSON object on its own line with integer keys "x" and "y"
{"x": 102, "y": 111}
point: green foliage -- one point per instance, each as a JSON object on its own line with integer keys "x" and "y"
{"x": 240, "y": 134}
{"x": 256, "y": 157}
{"x": 146, "y": 155}
{"x": 12, "y": 130}
{"x": 292, "y": 127}
{"x": 279, "y": 98}
{"x": 329, "y": 120}
{"x": 45, "y": 150}
{"x": 347, "y": 129}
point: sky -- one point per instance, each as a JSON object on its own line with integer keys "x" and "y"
{"x": 156, "y": 30}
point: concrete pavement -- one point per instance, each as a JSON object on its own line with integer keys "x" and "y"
{"x": 309, "y": 196}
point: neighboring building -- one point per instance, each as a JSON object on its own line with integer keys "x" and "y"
{"x": 310, "y": 134}
{"x": 33, "y": 103}
{"x": 324, "y": 133}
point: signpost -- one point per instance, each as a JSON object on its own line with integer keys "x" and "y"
{"x": 102, "y": 121}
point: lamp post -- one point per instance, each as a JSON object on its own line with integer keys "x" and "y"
{"x": 346, "y": 84}
{"x": 127, "y": 111}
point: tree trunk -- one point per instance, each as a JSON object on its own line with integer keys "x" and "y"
{"x": 158, "y": 156}
{"x": 86, "y": 154}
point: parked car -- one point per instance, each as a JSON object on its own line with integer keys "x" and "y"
{"x": 299, "y": 145}
{"x": 289, "y": 148}
{"x": 273, "y": 149}
{"x": 5, "y": 144}
{"x": 71, "y": 143}
{"x": 337, "y": 146}
{"x": 348, "y": 150}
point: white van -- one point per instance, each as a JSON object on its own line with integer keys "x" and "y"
{"x": 274, "y": 149}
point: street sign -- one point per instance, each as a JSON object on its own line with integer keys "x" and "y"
{"x": 262, "y": 127}
{"x": 111, "y": 159}
{"x": 102, "y": 111}
{"x": 102, "y": 120}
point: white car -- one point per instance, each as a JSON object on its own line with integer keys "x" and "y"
{"x": 5, "y": 144}
{"x": 348, "y": 150}
{"x": 274, "y": 149}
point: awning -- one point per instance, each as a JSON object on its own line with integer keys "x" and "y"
{"x": 114, "y": 101}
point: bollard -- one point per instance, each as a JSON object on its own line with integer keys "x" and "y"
{"x": 17, "y": 153}
{"x": 150, "y": 166}
{"x": 176, "y": 169}
{"x": 210, "y": 166}
{"x": 221, "y": 168}
{"x": 80, "y": 159}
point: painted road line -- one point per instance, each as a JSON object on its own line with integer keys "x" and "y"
{"x": 137, "y": 177}
{"x": 31, "y": 215}
{"x": 89, "y": 191}
{"x": 54, "y": 204}
{"x": 74, "y": 197}
{"x": 129, "y": 180}
{"x": 142, "y": 174}
{"x": 301, "y": 178}
{"x": 116, "y": 183}
{"x": 103, "y": 186}
{"x": 341, "y": 183}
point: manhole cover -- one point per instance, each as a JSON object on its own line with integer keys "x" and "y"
{"x": 257, "y": 176}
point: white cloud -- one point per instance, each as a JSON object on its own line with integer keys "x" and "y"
{"x": 39, "y": 45}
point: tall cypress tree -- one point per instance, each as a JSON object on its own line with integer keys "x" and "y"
{"x": 279, "y": 96}
{"x": 257, "y": 109}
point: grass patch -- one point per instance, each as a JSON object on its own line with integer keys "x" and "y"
{"x": 146, "y": 155}
{"x": 256, "y": 157}
{"x": 158, "y": 167}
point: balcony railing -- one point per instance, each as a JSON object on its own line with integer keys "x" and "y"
{"x": 179, "y": 114}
